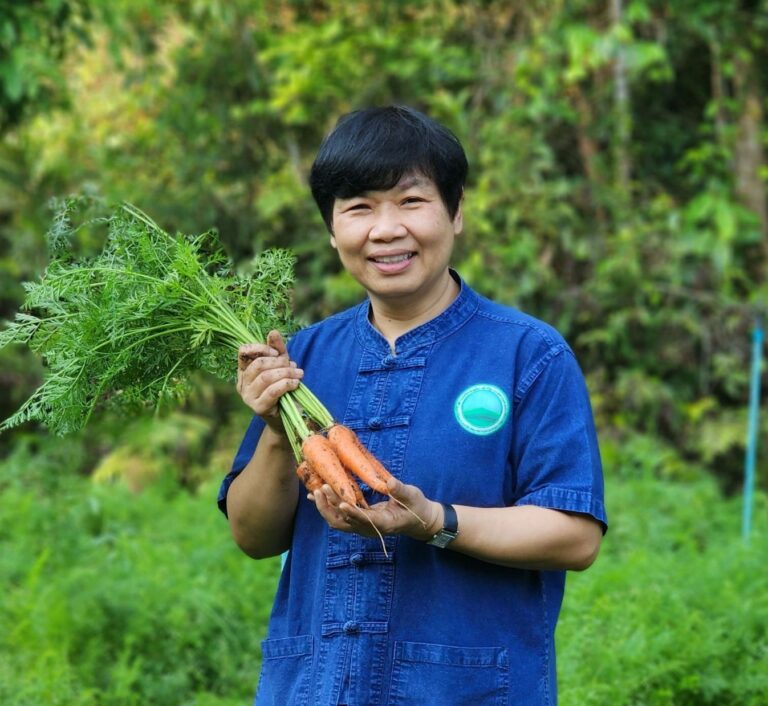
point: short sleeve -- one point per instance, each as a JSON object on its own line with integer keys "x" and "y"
{"x": 243, "y": 456}
{"x": 556, "y": 453}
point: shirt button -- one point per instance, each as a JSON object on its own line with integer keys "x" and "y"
{"x": 356, "y": 559}
{"x": 388, "y": 361}
{"x": 374, "y": 423}
{"x": 350, "y": 627}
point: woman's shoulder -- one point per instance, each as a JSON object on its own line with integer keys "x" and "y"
{"x": 509, "y": 321}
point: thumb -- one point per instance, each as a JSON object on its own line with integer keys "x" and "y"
{"x": 275, "y": 340}
{"x": 395, "y": 487}
{"x": 404, "y": 493}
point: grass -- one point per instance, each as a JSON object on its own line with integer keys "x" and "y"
{"x": 116, "y": 598}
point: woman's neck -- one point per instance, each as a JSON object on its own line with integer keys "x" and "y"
{"x": 393, "y": 318}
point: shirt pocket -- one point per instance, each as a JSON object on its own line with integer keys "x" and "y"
{"x": 285, "y": 671}
{"x": 424, "y": 673}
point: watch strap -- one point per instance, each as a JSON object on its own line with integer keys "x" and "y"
{"x": 450, "y": 518}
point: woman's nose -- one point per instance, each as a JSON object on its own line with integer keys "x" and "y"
{"x": 387, "y": 225}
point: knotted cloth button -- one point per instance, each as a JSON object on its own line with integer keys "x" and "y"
{"x": 374, "y": 423}
{"x": 356, "y": 559}
{"x": 350, "y": 627}
{"x": 388, "y": 361}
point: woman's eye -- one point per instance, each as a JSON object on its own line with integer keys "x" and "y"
{"x": 413, "y": 200}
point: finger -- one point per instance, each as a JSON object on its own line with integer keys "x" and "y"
{"x": 263, "y": 362}
{"x": 276, "y": 390}
{"x": 273, "y": 375}
{"x": 249, "y": 352}
{"x": 265, "y": 371}
{"x": 329, "y": 511}
{"x": 398, "y": 489}
{"x": 353, "y": 515}
{"x": 275, "y": 340}
{"x": 331, "y": 499}
{"x": 256, "y": 349}
{"x": 259, "y": 365}
{"x": 339, "y": 509}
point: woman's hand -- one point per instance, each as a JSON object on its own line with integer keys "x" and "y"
{"x": 390, "y": 517}
{"x": 264, "y": 374}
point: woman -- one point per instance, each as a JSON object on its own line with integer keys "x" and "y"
{"x": 478, "y": 410}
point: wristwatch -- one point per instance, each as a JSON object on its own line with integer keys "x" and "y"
{"x": 450, "y": 528}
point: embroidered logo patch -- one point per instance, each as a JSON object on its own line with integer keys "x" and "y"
{"x": 482, "y": 409}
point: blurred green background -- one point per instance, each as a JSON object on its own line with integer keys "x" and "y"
{"x": 617, "y": 190}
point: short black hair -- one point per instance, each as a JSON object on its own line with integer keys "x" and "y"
{"x": 373, "y": 148}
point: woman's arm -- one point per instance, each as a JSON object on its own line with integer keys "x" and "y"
{"x": 528, "y": 537}
{"x": 261, "y": 500}
{"x": 524, "y": 536}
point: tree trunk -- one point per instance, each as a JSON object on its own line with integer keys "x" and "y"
{"x": 749, "y": 156}
{"x": 588, "y": 150}
{"x": 621, "y": 106}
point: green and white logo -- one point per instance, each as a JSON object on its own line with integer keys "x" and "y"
{"x": 482, "y": 409}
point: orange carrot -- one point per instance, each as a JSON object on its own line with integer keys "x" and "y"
{"x": 361, "y": 462}
{"x": 309, "y": 477}
{"x": 320, "y": 460}
{"x": 358, "y": 459}
{"x": 319, "y": 453}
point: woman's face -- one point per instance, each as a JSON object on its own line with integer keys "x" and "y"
{"x": 396, "y": 243}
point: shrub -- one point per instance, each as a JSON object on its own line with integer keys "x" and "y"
{"x": 114, "y": 598}
{"x": 675, "y": 611}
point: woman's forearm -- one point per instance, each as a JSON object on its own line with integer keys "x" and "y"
{"x": 521, "y": 536}
{"x": 528, "y": 537}
{"x": 261, "y": 501}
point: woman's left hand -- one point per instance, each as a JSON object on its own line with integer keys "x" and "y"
{"x": 390, "y": 517}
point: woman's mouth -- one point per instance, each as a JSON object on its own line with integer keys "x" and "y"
{"x": 392, "y": 264}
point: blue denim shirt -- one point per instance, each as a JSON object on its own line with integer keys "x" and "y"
{"x": 481, "y": 406}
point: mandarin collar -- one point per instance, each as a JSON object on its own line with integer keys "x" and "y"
{"x": 445, "y": 323}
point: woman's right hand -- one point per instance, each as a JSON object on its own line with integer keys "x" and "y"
{"x": 264, "y": 374}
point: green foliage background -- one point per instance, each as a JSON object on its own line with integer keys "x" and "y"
{"x": 617, "y": 189}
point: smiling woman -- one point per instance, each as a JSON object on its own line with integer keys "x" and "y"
{"x": 480, "y": 414}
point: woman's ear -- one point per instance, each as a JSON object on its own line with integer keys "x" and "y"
{"x": 333, "y": 241}
{"x": 458, "y": 219}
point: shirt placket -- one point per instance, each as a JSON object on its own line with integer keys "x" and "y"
{"x": 360, "y": 575}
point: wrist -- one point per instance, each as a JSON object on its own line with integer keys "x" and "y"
{"x": 432, "y": 518}
{"x": 448, "y": 529}
{"x": 276, "y": 438}
{"x": 438, "y": 518}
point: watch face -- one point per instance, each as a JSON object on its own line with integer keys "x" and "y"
{"x": 442, "y": 539}
{"x": 450, "y": 529}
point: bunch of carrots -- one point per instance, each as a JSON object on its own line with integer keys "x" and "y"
{"x": 336, "y": 459}
{"x": 333, "y": 459}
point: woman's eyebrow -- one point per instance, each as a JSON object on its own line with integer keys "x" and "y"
{"x": 407, "y": 182}
{"x": 410, "y": 181}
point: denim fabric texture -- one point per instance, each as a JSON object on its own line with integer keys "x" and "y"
{"x": 481, "y": 406}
